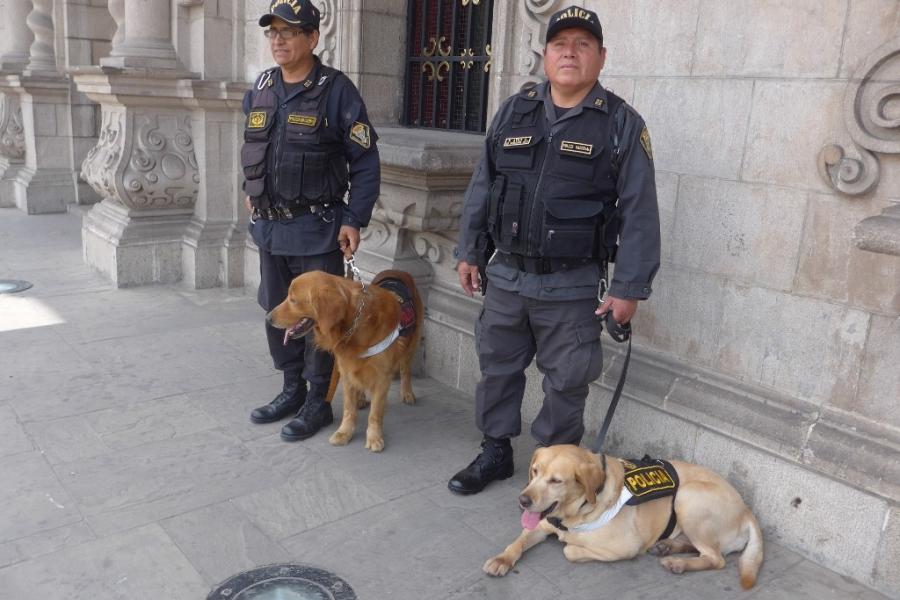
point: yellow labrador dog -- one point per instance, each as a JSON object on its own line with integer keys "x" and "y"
{"x": 588, "y": 501}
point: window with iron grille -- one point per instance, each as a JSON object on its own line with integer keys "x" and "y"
{"x": 448, "y": 64}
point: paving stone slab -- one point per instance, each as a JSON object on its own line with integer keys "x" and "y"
{"x": 31, "y": 498}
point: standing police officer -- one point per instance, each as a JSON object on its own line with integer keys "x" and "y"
{"x": 307, "y": 139}
{"x": 557, "y": 158}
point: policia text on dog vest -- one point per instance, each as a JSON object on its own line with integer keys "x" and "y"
{"x": 649, "y": 478}
{"x": 297, "y": 162}
{"x": 554, "y": 193}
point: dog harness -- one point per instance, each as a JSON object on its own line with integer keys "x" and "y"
{"x": 645, "y": 479}
{"x": 407, "y": 316}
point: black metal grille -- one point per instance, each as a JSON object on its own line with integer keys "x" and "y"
{"x": 448, "y": 64}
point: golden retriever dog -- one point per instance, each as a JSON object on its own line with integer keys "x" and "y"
{"x": 580, "y": 497}
{"x": 372, "y": 332}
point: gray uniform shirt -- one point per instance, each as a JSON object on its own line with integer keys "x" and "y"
{"x": 639, "y": 239}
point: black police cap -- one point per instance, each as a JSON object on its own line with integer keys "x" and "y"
{"x": 574, "y": 16}
{"x": 299, "y": 13}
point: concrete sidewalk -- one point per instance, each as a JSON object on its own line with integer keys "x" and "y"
{"x": 129, "y": 468}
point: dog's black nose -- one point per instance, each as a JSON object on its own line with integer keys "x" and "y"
{"x": 524, "y": 501}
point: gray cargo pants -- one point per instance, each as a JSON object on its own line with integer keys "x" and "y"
{"x": 565, "y": 337}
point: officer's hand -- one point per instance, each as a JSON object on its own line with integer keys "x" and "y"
{"x": 348, "y": 239}
{"x": 622, "y": 310}
{"x": 468, "y": 277}
{"x": 248, "y": 204}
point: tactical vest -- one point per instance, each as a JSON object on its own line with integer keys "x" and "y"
{"x": 293, "y": 157}
{"x": 554, "y": 193}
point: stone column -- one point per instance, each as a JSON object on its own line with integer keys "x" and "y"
{"x": 16, "y": 39}
{"x": 143, "y": 37}
{"x": 12, "y": 146}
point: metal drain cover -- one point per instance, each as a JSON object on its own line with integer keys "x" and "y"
{"x": 11, "y": 286}
{"x": 283, "y": 582}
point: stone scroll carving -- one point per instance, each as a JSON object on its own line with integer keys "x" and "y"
{"x": 12, "y": 134}
{"x": 144, "y": 161}
{"x": 870, "y": 113}
{"x": 533, "y": 22}
{"x": 327, "y": 33}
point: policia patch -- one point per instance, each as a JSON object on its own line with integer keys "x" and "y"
{"x": 645, "y": 142}
{"x": 359, "y": 133}
{"x": 648, "y": 479}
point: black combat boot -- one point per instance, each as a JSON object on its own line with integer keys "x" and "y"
{"x": 313, "y": 416}
{"x": 495, "y": 462}
{"x": 286, "y": 403}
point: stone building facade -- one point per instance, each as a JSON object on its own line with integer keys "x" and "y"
{"x": 770, "y": 350}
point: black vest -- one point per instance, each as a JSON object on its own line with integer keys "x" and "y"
{"x": 554, "y": 194}
{"x": 292, "y": 156}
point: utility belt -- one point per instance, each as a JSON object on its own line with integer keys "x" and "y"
{"x": 286, "y": 213}
{"x": 540, "y": 266}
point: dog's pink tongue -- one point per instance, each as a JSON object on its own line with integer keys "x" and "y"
{"x": 530, "y": 519}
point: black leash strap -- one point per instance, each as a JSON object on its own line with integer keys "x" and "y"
{"x": 620, "y": 333}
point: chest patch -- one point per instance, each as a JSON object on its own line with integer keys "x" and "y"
{"x": 645, "y": 143}
{"x": 649, "y": 479}
{"x": 517, "y": 142}
{"x": 308, "y": 120}
{"x": 359, "y": 133}
{"x": 407, "y": 307}
{"x": 576, "y": 147}
{"x": 256, "y": 119}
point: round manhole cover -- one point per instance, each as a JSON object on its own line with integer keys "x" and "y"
{"x": 11, "y": 286}
{"x": 283, "y": 582}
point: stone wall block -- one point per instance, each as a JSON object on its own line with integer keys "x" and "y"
{"x": 801, "y": 346}
{"x": 879, "y": 384}
{"x": 791, "y": 121}
{"x": 885, "y": 574}
{"x": 873, "y": 282}
{"x": 88, "y": 22}
{"x": 45, "y": 119}
{"x": 770, "y": 38}
{"x": 384, "y": 35}
{"x": 870, "y": 24}
{"x": 746, "y": 233}
{"x": 647, "y": 37}
{"x": 667, "y": 196}
{"x": 698, "y": 126}
{"x": 442, "y": 356}
{"x": 383, "y": 95}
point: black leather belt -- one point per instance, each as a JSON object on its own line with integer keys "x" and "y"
{"x": 283, "y": 213}
{"x": 540, "y": 266}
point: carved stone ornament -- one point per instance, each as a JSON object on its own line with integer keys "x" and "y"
{"x": 871, "y": 106}
{"x": 12, "y": 134}
{"x": 144, "y": 161}
{"x": 533, "y": 26}
{"x": 327, "y": 33}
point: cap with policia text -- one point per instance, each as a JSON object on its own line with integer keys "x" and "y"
{"x": 299, "y": 13}
{"x": 574, "y": 16}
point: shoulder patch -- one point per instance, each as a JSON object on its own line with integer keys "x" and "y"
{"x": 359, "y": 133}
{"x": 645, "y": 142}
{"x": 256, "y": 119}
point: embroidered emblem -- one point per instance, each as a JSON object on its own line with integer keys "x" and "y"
{"x": 256, "y": 120}
{"x": 575, "y": 13}
{"x": 517, "y": 142}
{"x": 307, "y": 84}
{"x": 598, "y": 102}
{"x": 645, "y": 142}
{"x": 307, "y": 120}
{"x": 576, "y": 147}
{"x": 531, "y": 93}
{"x": 359, "y": 133}
{"x": 648, "y": 479}
{"x": 295, "y": 6}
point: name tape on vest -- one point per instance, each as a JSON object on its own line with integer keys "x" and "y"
{"x": 307, "y": 120}
{"x": 576, "y": 147}
{"x": 517, "y": 142}
{"x": 256, "y": 119}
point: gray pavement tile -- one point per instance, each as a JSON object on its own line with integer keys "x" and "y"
{"x": 13, "y": 439}
{"x": 141, "y": 564}
{"x": 230, "y": 405}
{"x": 66, "y": 439}
{"x": 809, "y": 581}
{"x": 521, "y": 584}
{"x": 44, "y": 542}
{"x": 31, "y": 497}
{"x": 41, "y": 358}
{"x": 161, "y": 479}
{"x": 221, "y": 541}
{"x": 314, "y": 494}
{"x": 406, "y": 549}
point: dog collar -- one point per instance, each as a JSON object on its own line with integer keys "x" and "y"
{"x": 607, "y": 516}
{"x": 383, "y": 344}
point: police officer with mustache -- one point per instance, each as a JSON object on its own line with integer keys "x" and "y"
{"x": 307, "y": 140}
{"x": 567, "y": 172}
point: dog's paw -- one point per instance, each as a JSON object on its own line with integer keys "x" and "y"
{"x": 497, "y": 566}
{"x": 673, "y": 564}
{"x": 340, "y": 438}
{"x": 661, "y": 548}
{"x": 375, "y": 444}
{"x": 409, "y": 398}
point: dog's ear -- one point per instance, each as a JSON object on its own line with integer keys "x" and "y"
{"x": 534, "y": 457}
{"x": 590, "y": 475}
{"x": 330, "y": 302}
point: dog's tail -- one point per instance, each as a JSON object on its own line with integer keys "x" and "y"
{"x": 752, "y": 556}
{"x": 332, "y": 385}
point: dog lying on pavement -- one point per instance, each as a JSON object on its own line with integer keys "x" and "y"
{"x": 585, "y": 499}
{"x": 373, "y": 332}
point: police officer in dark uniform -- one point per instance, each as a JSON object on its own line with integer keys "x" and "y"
{"x": 307, "y": 139}
{"x": 567, "y": 171}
